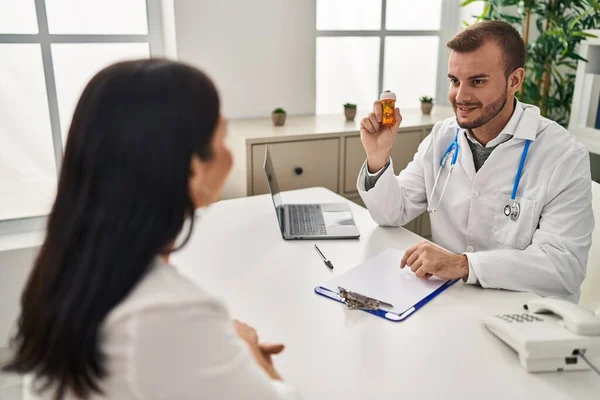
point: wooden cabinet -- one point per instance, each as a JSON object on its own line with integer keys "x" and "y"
{"x": 354, "y": 158}
{"x": 405, "y": 147}
{"x": 318, "y": 151}
{"x": 403, "y": 151}
{"x": 298, "y": 165}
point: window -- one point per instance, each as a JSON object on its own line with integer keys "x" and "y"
{"x": 49, "y": 50}
{"x": 367, "y": 46}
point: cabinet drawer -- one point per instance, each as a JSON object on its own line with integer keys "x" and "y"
{"x": 358, "y": 200}
{"x": 425, "y": 225}
{"x": 298, "y": 165}
{"x": 355, "y": 157}
{"x": 403, "y": 151}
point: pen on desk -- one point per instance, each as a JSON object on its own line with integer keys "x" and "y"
{"x": 325, "y": 260}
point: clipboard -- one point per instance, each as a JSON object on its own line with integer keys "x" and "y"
{"x": 378, "y": 286}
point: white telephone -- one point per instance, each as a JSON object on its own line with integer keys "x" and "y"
{"x": 554, "y": 335}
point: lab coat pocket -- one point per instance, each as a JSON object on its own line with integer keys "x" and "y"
{"x": 514, "y": 233}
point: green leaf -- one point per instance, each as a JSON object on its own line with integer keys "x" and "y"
{"x": 568, "y": 64}
{"x": 511, "y": 18}
{"x": 467, "y": 2}
{"x": 583, "y": 34}
{"x": 594, "y": 4}
{"x": 539, "y": 24}
{"x": 485, "y": 12}
{"x": 576, "y": 56}
{"x": 558, "y": 75}
{"x": 577, "y": 19}
{"x": 530, "y": 4}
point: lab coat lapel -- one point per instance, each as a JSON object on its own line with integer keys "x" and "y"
{"x": 528, "y": 124}
{"x": 466, "y": 157}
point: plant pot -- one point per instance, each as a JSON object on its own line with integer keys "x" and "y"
{"x": 426, "y": 108}
{"x": 350, "y": 113}
{"x": 278, "y": 118}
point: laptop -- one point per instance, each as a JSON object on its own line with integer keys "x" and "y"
{"x": 309, "y": 221}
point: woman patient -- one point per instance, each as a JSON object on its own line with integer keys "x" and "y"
{"x": 103, "y": 313}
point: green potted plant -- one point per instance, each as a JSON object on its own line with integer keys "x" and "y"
{"x": 426, "y": 104}
{"x": 278, "y": 116}
{"x": 350, "y": 111}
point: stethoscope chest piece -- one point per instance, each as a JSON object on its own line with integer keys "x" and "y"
{"x": 512, "y": 210}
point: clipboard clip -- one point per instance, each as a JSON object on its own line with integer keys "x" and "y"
{"x": 357, "y": 301}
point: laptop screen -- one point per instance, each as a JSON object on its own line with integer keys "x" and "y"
{"x": 273, "y": 186}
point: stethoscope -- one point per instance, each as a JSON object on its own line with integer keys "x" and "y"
{"x": 512, "y": 210}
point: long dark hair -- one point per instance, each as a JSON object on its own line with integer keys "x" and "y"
{"x": 122, "y": 199}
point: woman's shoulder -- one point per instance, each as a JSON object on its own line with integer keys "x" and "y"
{"x": 163, "y": 288}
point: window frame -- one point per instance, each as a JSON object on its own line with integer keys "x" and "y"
{"x": 449, "y": 25}
{"x": 45, "y": 39}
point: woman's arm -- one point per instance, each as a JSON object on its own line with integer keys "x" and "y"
{"x": 194, "y": 352}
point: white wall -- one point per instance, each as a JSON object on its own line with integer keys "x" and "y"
{"x": 15, "y": 266}
{"x": 168, "y": 28}
{"x": 260, "y": 53}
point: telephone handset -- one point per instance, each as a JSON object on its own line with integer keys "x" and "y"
{"x": 551, "y": 335}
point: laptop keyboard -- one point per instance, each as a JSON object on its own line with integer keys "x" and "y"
{"x": 306, "y": 219}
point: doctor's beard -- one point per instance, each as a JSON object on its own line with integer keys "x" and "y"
{"x": 488, "y": 113}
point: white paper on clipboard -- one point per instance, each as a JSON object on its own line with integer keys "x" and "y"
{"x": 381, "y": 278}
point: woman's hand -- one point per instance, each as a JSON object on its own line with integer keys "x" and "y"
{"x": 246, "y": 332}
{"x": 262, "y": 352}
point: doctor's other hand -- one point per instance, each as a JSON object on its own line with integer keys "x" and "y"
{"x": 427, "y": 260}
{"x": 378, "y": 139}
{"x": 262, "y": 352}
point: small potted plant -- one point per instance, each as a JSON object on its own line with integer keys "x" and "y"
{"x": 426, "y": 104}
{"x": 278, "y": 116}
{"x": 350, "y": 111}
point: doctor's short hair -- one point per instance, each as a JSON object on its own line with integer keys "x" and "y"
{"x": 504, "y": 34}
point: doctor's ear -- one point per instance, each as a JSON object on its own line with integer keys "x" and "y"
{"x": 515, "y": 80}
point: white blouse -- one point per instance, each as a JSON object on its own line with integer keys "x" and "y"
{"x": 171, "y": 340}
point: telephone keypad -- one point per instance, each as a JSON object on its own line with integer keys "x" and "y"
{"x": 519, "y": 318}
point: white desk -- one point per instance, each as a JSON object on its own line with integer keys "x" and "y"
{"x": 442, "y": 351}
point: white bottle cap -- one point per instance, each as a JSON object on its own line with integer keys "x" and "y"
{"x": 387, "y": 95}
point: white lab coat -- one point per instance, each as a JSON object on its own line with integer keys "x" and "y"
{"x": 545, "y": 250}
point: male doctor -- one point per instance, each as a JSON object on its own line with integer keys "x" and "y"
{"x": 537, "y": 240}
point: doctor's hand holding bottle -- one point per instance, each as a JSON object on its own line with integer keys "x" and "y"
{"x": 378, "y": 131}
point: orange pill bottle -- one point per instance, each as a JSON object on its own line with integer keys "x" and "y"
{"x": 388, "y": 106}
